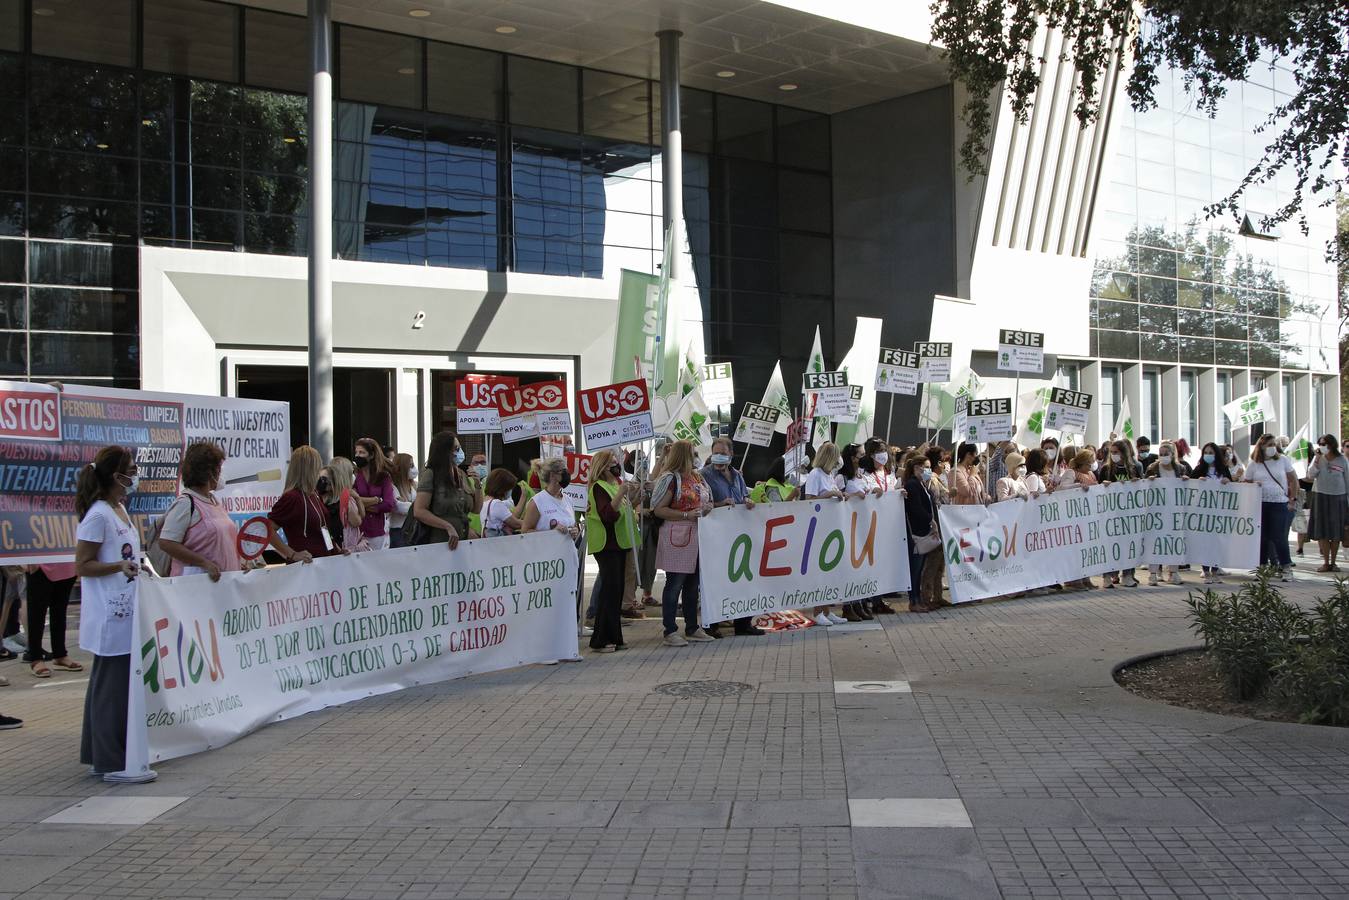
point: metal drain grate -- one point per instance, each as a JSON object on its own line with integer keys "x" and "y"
{"x": 690, "y": 689}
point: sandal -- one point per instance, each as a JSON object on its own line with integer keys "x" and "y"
{"x": 70, "y": 666}
{"x": 40, "y": 670}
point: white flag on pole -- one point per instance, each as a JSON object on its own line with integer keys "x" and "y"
{"x": 775, "y": 395}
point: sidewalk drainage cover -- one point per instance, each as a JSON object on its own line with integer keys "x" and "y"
{"x": 690, "y": 689}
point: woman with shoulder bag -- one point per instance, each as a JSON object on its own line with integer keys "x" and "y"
{"x": 350, "y": 510}
{"x": 679, "y": 499}
{"x": 498, "y": 513}
{"x": 444, "y": 498}
{"x": 924, "y": 538}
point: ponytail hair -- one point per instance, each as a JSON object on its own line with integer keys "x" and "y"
{"x": 98, "y": 478}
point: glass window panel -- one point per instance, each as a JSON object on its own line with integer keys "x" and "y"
{"x": 13, "y": 255}
{"x": 1157, "y": 319}
{"x": 12, "y": 306}
{"x": 70, "y": 309}
{"x": 749, "y": 193}
{"x": 461, "y": 249}
{"x": 11, "y": 25}
{"x": 1161, "y": 291}
{"x": 218, "y": 188}
{"x": 803, "y": 139}
{"x": 1160, "y": 347}
{"x": 276, "y": 234}
{"x": 747, "y": 242}
{"x": 1118, "y": 316}
{"x": 276, "y": 194}
{"x": 1230, "y": 325}
{"x": 744, "y": 128}
{"x": 276, "y": 50}
{"x": 1196, "y": 296}
{"x": 1197, "y": 322}
{"x": 90, "y": 30}
{"x": 543, "y": 94}
{"x": 547, "y": 256}
{"x": 1263, "y": 303}
{"x": 616, "y": 157}
{"x": 807, "y": 264}
{"x": 615, "y": 106}
{"x": 378, "y": 67}
{"x": 805, "y": 201}
{"x": 464, "y": 81}
{"x": 1118, "y": 344}
{"x": 56, "y": 217}
{"x": 88, "y": 355}
{"x": 14, "y": 354}
{"x": 696, "y": 110}
{"x": 93, "y": 265}
{"x": 1230, "y": 353}
{"x": 191, "y": 37}
{"x": 1115, "y": 285}
{"x": 1156, "y": 261}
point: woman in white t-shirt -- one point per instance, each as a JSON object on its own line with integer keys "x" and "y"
{"x": 498, "y": 512}
{"x": 107, "y": 559}
{"x": 823, "y": 484}
{"x": 1274, "y": 472}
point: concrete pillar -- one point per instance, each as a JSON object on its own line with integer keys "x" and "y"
{"x": 321, "y": 228}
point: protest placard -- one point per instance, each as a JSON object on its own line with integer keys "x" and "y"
{"x": 757, "y": 424}
{"x": 1068, "y": 411}
{"x": 897, "y": 372}
{"x": 934, "y": 361}
{"x": 989, "y": 420}
{"x": 578, "y": 487}
{"x": 616, "y": 414}
{"x": 718, "y": 385}
{"x": 1021, "y": 351}
{"x": 476, "y": 405}
{"x": 827, "y": 393}
{"x": 532, "y": 410}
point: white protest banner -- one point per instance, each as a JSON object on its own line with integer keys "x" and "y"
{"x": 989, "y": 420}
{"x": 897, "y": 372}
{"x": 850, "y": 414}
{"x": 219, "y": 660}
{"x": 47, "y": 435}
{"x": 475, "y": 402}
{"x": 1056, "y": 538}
{"x": 797, "y": 555}
{"x": 1251, "y": 409}
{"x": 1021, "y": 351}
{"x": 1067, "y": 411}
{"x": 718, "y": 386}
{"x": 934, "y": 361}
{"x": 757, "y": 424}
{"x": 616, "y": 414}
{"x": 830, "y": 392}
{"x": 532, "y": 410}
{"x": 578, "y": 485}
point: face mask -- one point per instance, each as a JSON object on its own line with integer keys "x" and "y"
{"x": 130, "y": 482}
{"x": 565, "y": 479}
{"x": 1231, "y": 459}
{"x": 1209, "y": 459}
{"x": 1115, "y": 458}
{"x": 323, "y": 485}
{"x": 361, "y": 461}
{"x": 1052, "y": 453}
{"x": 1094, "y": 465}
{"x": 1020, "y": 471}
{"x": 1320, "y": 448}
{"x": 881, "y": 458}
{"x": 1165, "y": 459}
{"x": 458, "y": 456}
{"x": 1271, "y": 452}
{"x": 721, "y": 459}
{"x": 925, "y": 474}
{"x": 616, "y": 471}
{"x": 480, "y": 471}
{"x": 412, "y": 474}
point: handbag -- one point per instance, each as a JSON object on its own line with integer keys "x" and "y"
{"x": 924, "y": 544}
{"x": 677, "y": 547}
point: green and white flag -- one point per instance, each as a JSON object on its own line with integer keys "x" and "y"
{"x": 1251, "y": 409}
{"x": 1300, "y": 450}
{"x": 1035, "y": 402}
{"x": 938, "y": 408}
{"x": 775, "y": 395}
{"x": 1124, "y": 423}
{"x": 820, "y": 434}
{"x": 861, "y": 357}
{"x": 692, "y": 421}
{"x": 639, "y": 335}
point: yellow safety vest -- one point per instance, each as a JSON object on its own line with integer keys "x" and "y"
{"x": 596, "y": 533}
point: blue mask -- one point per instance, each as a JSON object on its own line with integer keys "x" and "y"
{"x": 459, "y": 456}
{"x": 721, "y": 459}
{"x": 925, "y": 474}
{"x": 1209, "y": 459}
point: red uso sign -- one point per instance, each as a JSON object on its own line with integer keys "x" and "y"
{"x": 29, "y": 415}
{"x": 616, "y": 414}
{"x": 542, "y": 396}
{"x": 475, "y": 391}
{"x": 578, "y": 467}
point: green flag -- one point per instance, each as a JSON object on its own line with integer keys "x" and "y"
{"x": 1300, "y": 451}
{"x": 641, "y": 345}
{"x": 1124, "y": 424}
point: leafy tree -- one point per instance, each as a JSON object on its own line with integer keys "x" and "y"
{"x": 1210, "y": 43}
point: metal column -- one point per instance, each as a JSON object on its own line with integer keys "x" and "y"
{"x": 321, "y": 228}
{"x": 672, "y": 146}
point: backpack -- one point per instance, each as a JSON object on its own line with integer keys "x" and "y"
{"x": 159, "y": 560}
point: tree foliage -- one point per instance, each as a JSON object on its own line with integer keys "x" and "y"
{"x": 1210, "y": 43}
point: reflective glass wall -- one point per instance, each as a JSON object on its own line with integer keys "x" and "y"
{"x": 190, "y": 131}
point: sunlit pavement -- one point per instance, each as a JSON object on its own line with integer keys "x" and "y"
{"x": 982, "y": 751}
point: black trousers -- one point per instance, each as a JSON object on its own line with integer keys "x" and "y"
{"x": 103, "y": 737}
{"x": 47, "y": 599}
{"x": 609, "y": 604}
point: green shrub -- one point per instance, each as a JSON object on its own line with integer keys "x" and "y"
{"x": 1312, "y": 678}
{"x": 1247, "y": 633}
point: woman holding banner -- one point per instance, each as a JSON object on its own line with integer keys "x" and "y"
{"x": 728, "y": 488}
{"x": 1012, "y": 486}
{"x": 611, "y": 532}
{"x": 775, "y": 489}
{"x": 107, "y": 558}
{"x": 444, "y": 499}
{"x": 198, "y": 534}
{"x": 679, "y": 499}
{"x": 1120, "y": 466}
{"x": 1168, "y": 465}
{"x": 966, "y": 484}
{"x": 299, "y": 511}
{"x": 403, "y": 472}
{"x": 373, "y": 488}
{"x": 1212, "y": 466}
{"x": 823, "y": 484}
{"x": 350, "y": 511}
{"x": 1277, "y": 478}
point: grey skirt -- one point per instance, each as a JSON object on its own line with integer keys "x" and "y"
{"x": 1328, "y": 517}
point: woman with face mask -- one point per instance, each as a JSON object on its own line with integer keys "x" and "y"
{"x": 822, "y": 484}
{"x": 1212, "y": 467}
{"x": 299, "y": 513}
{"x": 1234, "y": 464}
{"x": 1330, "y": 486}
{"x": 728, "y": 488}
{"x": 611, "y": 533}
{"x": 1168, "y": 465}
{"x": 1120, "y": 466}
{"x": 373, "y": 489}
{"x": 107, "y": 559}
{"x": 1012, "y": 486}
{"x": 1277, "y": 478}
{"x": 920, "y": 509}
{"x": 967, "y": 485}
{"x": 679, "y": 499}
{"x": 403, "y": 471}
{"x": 198, "y": 534}
{"x": 444, "y": 497}
{"x": 350, "y": 510}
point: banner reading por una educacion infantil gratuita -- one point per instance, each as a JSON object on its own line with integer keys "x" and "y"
{"x": 218, "y": 661}
{"x": 797, "y": 555}
{"x": 1070, "y": 534}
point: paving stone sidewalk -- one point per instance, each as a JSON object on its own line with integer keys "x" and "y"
{"x": 978, "y": 752}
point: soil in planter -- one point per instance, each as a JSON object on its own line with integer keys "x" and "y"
{"x": 1191, "y": 680}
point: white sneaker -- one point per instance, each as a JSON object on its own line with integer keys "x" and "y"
{"x": 145, "y": 777}
{"x": 1286, "y": 574}
{"x": 1174, "y": 579}
{"x": 1208, "y": 579}
{"x": 675, "y": 639}
{"x": 1129, "y": 581}
{"x": 700, "y": 637}
{"x": 16, "y": 643}
{"x": 836, "y": 620}
{"x": 585, "y": 632}
{"x": 823, "y": 621}
{"x": 1152, "y": 579}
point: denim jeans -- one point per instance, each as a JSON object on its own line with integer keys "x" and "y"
{"x": 675, "y": 584}
{"x": 1274, "y": 522}
{"x": 915, "y": 575}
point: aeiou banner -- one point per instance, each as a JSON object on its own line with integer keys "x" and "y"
{"x": 801, "y": 554}
{"x": 219, "y": 660}
{"x": 1074, "y": 533}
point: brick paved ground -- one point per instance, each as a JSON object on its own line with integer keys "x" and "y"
{"x": 1014, "y": 768}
